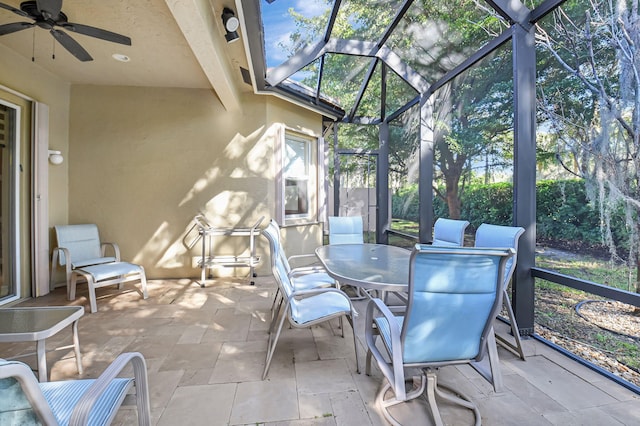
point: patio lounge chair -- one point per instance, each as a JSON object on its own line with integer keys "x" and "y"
{"x": 82, "y": 254}
{"x": 449, "y": 232}
{"x": 504, "y": 236}
{"x": 305, "y": 308}
{"x": 24, "y": 401}
{"x": 78, "y": 246}
{"x": 454, "y": 296}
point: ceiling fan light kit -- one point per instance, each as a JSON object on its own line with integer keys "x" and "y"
{"x": 47, "y": 14}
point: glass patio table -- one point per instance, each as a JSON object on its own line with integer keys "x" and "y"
{"x": 35, "y": 324}
{"x": 369, "y": 266}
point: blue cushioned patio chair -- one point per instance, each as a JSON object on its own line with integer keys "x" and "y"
{"x": 94, "y": 402}
{"x": 449, "y": 232}
{"x": 345, "y": 230}
{"x": 504, "y": 236}
{"x": 454, "y": 295}
{"x": 305, "y": 308}
{"x": 303, "y": 278}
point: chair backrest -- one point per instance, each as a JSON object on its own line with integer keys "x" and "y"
{"x": 279, "y": 266}
{"x": 82, "y": 241}
{"x": 501, "y": 236}
{"x": 282, "y": 277}
{"x": 345, "y": 230}
{"x": 272, "y": 234}
{"x": 449, "y": 232}
{"x": 454, "y": 295}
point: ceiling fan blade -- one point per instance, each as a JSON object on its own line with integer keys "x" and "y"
{"x": 49, "y": 8}
{"x": 71, "y": 45}
{"x": 96, "y": 32}
{"x": 15, "y": 26}
{"x": 13, "y": 9}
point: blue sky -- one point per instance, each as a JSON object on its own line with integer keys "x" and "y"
{"x": 278, "y": 24}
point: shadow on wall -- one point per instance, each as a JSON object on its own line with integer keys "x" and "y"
{"x": 233, "y": 191}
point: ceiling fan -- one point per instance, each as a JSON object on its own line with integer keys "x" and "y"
{"x": 47, "y": 14}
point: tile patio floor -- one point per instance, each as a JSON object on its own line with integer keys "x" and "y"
{"x": 205, "y": 350}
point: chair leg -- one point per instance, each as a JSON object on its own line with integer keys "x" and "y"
{"x": 493, "y": 374}
{"x": 68, "y": 273}
{"x": 143, "y": 283}
{"x": 355, "y": 343}
{"x": 71, "y": 287}
{"x": 275, "y": 316}
{"x": 431, "y": 398}
{"x": 517, "y": 347}
{"x": 274, "y": 303}
{"x": 76, "y": 346}
{"x": 427, "y": 385}
{"x": 451, "y": 395}
{"x": 54, "y": 264}
{"x": 494, "y": 363}
{"x": 271, "y": 345}
{"x": 91, "y": 285}
{"x": 384, "y": 404}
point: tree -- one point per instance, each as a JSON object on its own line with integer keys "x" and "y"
{"x": 474, "y": 119}
{"x": 593, "y": 56}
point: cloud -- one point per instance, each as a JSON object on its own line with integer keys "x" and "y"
{"x": 279, "y": 25}
{"x": 311, "y": 8}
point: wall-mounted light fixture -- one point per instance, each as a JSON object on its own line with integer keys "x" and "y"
{"x": 231, "y": 24}
{"x": 55, "y": 157}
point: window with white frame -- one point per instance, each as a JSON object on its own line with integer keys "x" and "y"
{"x": 295, "y": 176}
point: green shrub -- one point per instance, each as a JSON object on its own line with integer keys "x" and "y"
{"x": 564, "y": 213}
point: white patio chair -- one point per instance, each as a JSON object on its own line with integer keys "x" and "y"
{"x": 504, "y": 236}
{"x": 78, "y": 246}
{"x": 94, "y": 402}
{"x": 454, "y": 296}
{"x": 82, "y": 254}
{"x": 449, "y": 232}
{"x": 306, "y": 308}
{"x": 303, "y": 278}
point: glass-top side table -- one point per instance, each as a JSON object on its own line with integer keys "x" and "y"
{"x": 35, "y": 324}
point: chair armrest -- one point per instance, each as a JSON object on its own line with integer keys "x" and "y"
{"x": 314, "y": 291}
{"x": 306, "y": 270}
{"x": 64, "y": 259}
{"x": 80, "y": 414}
{"x": 114, "y": 247}
{"x": 394, "y": 372}
{"x": 394, "y": 328}
{"x": 297, "y": 257}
